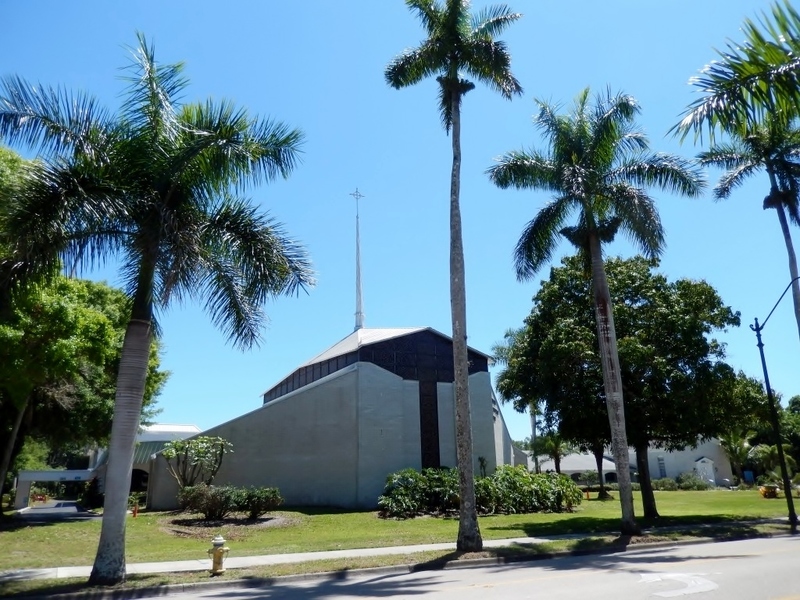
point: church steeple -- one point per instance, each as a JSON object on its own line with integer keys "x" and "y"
{"x": 359, "y": 308}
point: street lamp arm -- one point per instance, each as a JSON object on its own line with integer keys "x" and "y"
{"x": 776, "y": 305}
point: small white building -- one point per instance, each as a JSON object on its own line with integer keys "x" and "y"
{"x": 707, "y": 460}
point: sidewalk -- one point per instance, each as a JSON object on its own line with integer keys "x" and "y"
{"x": 234, "y": 562}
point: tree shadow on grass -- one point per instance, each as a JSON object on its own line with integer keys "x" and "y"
{"x": 577, "y": 524}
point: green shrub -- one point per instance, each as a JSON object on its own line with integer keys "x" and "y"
{"x": 409, "y": 493}
{"x": 441, "y": 494}
{"x": 690, "y": 481}
{"x": 213, "y": 502}
{"x": 256, "y": 501}
{"x": 665, "y": 484}
{"x": 137, "y": 499}
{"x": 404, "y": 494}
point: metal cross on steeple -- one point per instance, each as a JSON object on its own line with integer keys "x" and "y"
{"x": 359, "y": 308}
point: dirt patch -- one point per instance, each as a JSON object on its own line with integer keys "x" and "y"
{"x": 231, "y": 528}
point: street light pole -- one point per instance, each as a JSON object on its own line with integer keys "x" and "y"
{"x": 773, "y": 412}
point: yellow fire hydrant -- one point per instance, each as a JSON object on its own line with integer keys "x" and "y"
{"x": 218, "y": 553}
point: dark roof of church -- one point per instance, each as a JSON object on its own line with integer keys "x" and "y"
{"x": 347, "y": 350}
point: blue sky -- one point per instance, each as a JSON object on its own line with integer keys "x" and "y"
{"x": 318, "y": 65}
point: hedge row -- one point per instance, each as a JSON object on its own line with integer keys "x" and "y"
{"x": 217, "y": 502}
{"x": 409, "y": 493}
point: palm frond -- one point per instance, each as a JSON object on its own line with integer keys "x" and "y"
{"x": 520, "y": 169}
{"x": 490, "y": 62}
{"x": 539, "y": 239}
{"x": 639, "y": 218}
{"x": 250, "y": 261}
{"x": 414, "y": 65}
{"x": 666, "y": 171}
{"x": 749, "y": 80}
{"x": 226, "y": 147}
{"x": 49, "y": 120}
{"x": 153, "y": 92}
{"x": 429, "y": 13}
{"x": 491, "y": 21}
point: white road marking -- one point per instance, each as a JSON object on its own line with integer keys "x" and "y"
{"x": 695, "y": 584}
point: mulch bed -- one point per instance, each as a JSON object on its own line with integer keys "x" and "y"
{"x": 231, "y": 528}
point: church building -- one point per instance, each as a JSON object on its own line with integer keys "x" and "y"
{"x": 378, "y": 401}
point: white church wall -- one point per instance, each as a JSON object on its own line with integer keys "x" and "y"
{"x": 388, "y": 429}
{"x": 483, "y": 423}
{"x": 447, "y": 425}
{"x": 305, "y": 444}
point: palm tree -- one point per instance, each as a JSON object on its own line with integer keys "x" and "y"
{"x": 774, "y": 146}
{"x": 736, "y": 446}
{"x": 599, "y": 166}
{"x": 752, "y": 79}
{"x": 155, "y": 187}
{"x": 458, "y": 42}
{"x": 552, "y": 445}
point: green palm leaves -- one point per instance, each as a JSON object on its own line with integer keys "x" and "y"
{"x": 750, "y": 80}
{"x": 458, "y": 45}
{"x": 597, "y": 166}
{"x": 157, "y": 187}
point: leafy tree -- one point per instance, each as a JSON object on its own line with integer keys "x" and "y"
{"x": 44, "y": 343}
{"x": 677, "y": 385}
{"x": 154, "y": 187}
{"x": 196, "y": 460}
{"x": 773, "y": 146}
{"x": 458, "y": 43}
{"x": 597, "y": 165}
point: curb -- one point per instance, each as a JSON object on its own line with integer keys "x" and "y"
{"x": 182, "y": 588}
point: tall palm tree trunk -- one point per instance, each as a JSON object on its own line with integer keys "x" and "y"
{"x": 787, "y": 239}
{"x": 612, "y": 383}
{"x": 109, "y": 563}
{"x": 469, "y": 535}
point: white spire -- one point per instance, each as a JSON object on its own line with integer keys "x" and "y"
{"x": 359, "y": 308}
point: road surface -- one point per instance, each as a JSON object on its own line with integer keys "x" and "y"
{"x": 758, "y": 569}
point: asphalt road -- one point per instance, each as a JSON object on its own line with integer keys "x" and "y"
{"x": 760, "y": 569}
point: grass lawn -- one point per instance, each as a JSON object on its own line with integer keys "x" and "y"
{"x": 163, "y": 536}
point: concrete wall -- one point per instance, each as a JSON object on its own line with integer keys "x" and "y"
{"x": 333, "y": 443}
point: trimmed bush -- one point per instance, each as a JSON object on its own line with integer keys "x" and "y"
{"x": 664, "y": 484}
{"x": 690, "y": 481}
{"x": 213, "y": 502}
{"x": 409, "y": 493}
{"x": 256, "y": 501}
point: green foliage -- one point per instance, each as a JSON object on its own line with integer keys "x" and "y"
{"x": 665, "y": 484}
{"x": 196, "y": 460}
{"x": 212, "y": 501}
{"x": 218, "y": 502}
{"x": 691, "y": 481}
{"x": 60, "y": 346}
{"x": 137, "y": 499}
{"x": 409, "y": 493}
{"x": 257, "y": 501}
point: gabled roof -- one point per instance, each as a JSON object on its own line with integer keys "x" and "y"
{"x": 346, "y": 351}
{"x": 362, "y": 337}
